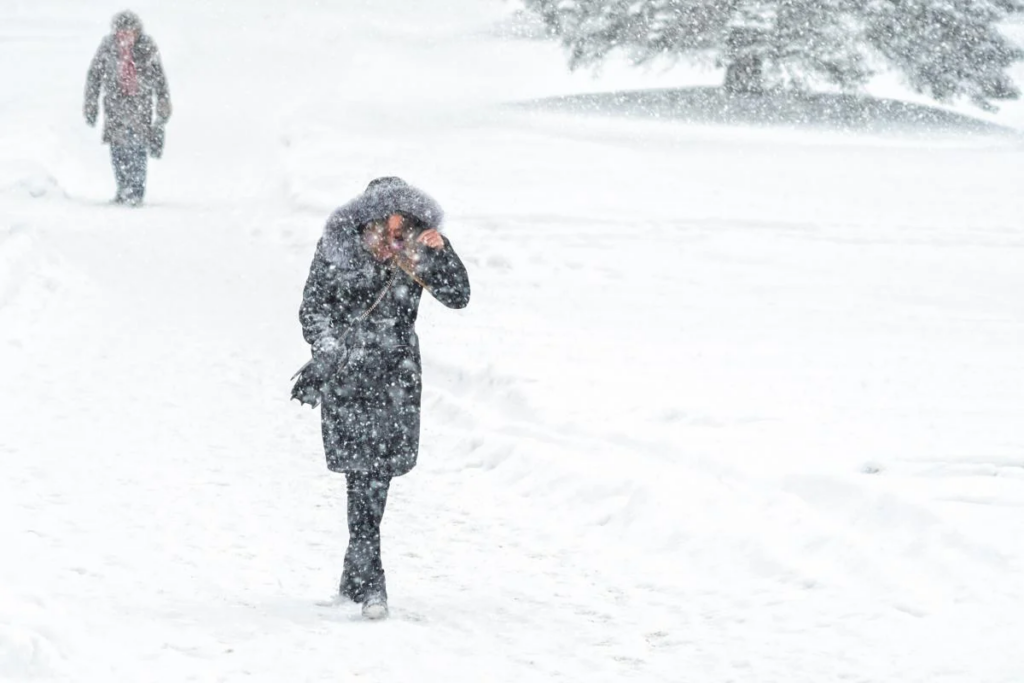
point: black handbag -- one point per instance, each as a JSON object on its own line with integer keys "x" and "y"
{"x": 313, "y": 375}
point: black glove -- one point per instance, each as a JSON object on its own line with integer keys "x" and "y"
{"x": 91, "y": 111}
{"x": 309, "y": 387}
{"x": 163, "y": 111}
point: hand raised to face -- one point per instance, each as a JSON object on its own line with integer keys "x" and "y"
{"x": 396, "y": 237}
{"x": 432, "y": 238}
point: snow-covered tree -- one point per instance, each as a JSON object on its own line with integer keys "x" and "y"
{"x": 945, "y": 48}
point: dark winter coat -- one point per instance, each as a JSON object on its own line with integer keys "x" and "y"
{"x": 128, "y": 119}
{"x": 371, "y": 405}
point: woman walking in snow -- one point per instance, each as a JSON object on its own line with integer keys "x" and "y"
{"x": 127, "y": 68}
{"x": 376, "y": 256}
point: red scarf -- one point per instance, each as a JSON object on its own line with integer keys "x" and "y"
{"x": 126, "y": 73}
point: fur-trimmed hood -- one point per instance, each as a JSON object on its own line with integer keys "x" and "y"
{"x": 382, "y": 197}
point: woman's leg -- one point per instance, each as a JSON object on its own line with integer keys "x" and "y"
{"x": 129, "y": 157}
{"x": 120, "y": 159}
{"x": 364, "y": 571}
{"x": 137, "y": 173}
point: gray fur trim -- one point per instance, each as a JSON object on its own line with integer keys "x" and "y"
{"x": 382, "y": 198}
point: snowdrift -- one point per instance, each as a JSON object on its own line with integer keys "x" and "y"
{"x": 709, "y": 105}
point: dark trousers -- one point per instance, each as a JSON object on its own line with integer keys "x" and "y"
{"x": 364, "y": 572}
{"x": 129, "y": 161}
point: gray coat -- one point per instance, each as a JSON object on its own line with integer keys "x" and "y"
{"x": 128, "y": 119}
{"x": 371, "y": 406}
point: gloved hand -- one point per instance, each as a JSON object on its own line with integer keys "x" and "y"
{"x": 327, "y": 356}
{"x": 156, "y": 141}
{"x": 91, "y": 110}
{"x": 163, "y": 111}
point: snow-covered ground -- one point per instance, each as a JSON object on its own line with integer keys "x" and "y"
{"x": 727, "y": 405}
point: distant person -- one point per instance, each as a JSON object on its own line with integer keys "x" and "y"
{"x": 376, "y": 256}
{"x": 127, "y": 69}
